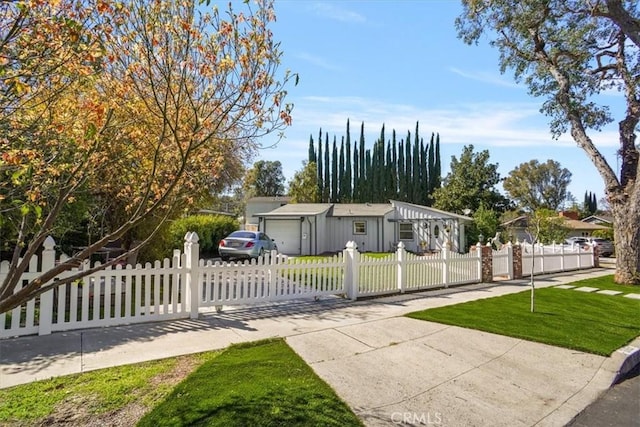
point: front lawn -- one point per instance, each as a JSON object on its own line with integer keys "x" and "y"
{"x": 589, "y": 322}
{"x": 95, "y": 397}
{"x": 255, "y": 384}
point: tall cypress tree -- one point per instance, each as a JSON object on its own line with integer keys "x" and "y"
{"x": 362, "y": 174}
{"x": 334, "y": 172}
{"x": 347, "y": 196}
{"x": 424, "y": 175}
{"x": 368, "y": 182}
{"x": 394, "y": 165}
{"x": 388, "y": 176}
{"x": 342, "y": 186}
{"x": 312, "y": 151}
{"x": 402, "y": 182}
{"x": 327, "y": 171}
{"x": 438, "y": 166}
{"x": 417, "y": 177}
{"x": 432, "y": 168}
{"x": 408, "y": 170}
{"x": 355, "y": 195}
{"x": 320, "y": 164}
{"x": 408, "y": 162}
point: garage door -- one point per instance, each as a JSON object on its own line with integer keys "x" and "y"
{"x": 286, "y": 233}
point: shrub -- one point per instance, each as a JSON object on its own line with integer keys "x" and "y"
{"x": 210, "y": 229}
{"x": 604, "y": 234}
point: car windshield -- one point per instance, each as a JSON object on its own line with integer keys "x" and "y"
{"x": 243, "y": 234}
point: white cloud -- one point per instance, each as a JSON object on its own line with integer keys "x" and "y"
{"x": 332, "y": 11}
{"x": 317, "y": 61}
{"x": 493, "y": 126}
{"x": 485, "y": 77}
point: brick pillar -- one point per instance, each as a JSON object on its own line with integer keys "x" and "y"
{"x": 517, "y": 261}
{"x": 487, "y": 263}
{"x": 596, "y": 256}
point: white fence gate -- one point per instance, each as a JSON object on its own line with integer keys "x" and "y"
{"x": 272, "y": 278}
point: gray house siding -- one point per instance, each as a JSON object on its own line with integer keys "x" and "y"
{"x": 315, "y": 228}
{"x": 434, "y": 227}
{"x": 377, "y": 233}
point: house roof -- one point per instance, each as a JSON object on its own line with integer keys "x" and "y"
{"x": 434, "y": 210}
{"x": 286, "y": 199}
{"x": 581, "y": 225}
{"x": 297, "y": 209}
{"x": 360, "y": 209}
{"x": 573, "y": 224}
{"x": 599, "y": 219}
{"x": 348, "y": 210}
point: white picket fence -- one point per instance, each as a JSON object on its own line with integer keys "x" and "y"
{"x": 554, "y": 258}
{"x": 183, "y": 286}
{"x": 402, "y": 271}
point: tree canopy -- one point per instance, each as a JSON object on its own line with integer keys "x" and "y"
{"x": 534, "y": 185}
{"x": 470, "y": 184}
{"x": 137, "y": 106}
{"x": 265, "y": 178}
{"x": 569, "y": 52}
{"x": 303, "y": 188}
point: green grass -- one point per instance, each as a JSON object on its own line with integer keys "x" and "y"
{"x": 377, "y": 254}
{"x": 606, "y": 282}
{"x": 258, "y": 384}
{"x": 589, "y": 322}
{"x": 102, "y": 391}
{"x": 304, "y": 271}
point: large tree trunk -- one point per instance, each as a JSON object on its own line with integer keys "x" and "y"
{"x": 626, "y": 216}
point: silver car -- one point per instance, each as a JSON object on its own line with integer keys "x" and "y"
{"x": 245, "y": 244}
{"x": 605, "y": 247}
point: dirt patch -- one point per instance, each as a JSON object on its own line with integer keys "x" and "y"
{"x": 80, "y": 410}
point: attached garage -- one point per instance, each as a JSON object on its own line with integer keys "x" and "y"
{"x": 286, "y": 233}
{"x": 294, "y": 227}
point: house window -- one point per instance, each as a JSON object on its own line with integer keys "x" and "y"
{"x": 405, "y": 231}
{"x": 359, "y": 227}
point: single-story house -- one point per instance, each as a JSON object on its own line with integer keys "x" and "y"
{"x": 605, "y": 220}
{"x": 315, "y": 228}
{"x": 517, "y": 227}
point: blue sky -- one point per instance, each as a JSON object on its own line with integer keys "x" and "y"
{"x": 400, "y": 62}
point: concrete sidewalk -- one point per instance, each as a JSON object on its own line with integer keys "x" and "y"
{"x": 388, "y": 368}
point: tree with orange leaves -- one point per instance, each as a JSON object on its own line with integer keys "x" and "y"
{"x": 141, "y": 103}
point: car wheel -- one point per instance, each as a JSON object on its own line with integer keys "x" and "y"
{"x": 224, "y": 258}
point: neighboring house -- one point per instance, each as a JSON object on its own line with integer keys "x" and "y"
{"x": 605, "y": 220}
{"x": 261, "y": 204}
{"x": 316, "y": 228}
{"x": 518, "y": 227}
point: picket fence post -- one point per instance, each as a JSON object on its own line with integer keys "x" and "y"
{"x": 445, "y": 266}
{"x": 510, "y": 260}
{"x": 401, "y": 271}
{"x": 351, "y": 278}
{"x": 478, "y": 249}
{"x": 45, "y": 318}
{"x": 192, "y": 252}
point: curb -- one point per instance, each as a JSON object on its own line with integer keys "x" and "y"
{"x": 631, "y": 354}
